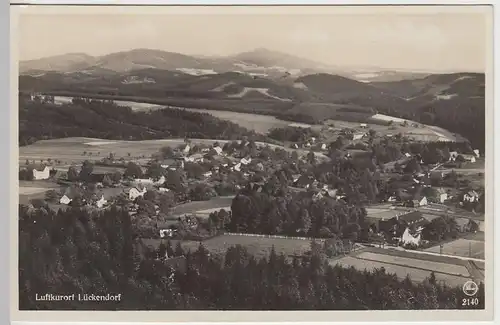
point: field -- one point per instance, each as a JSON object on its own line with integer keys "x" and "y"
{"x": 29, "y": 190}
{"x": 418, "y": 266}
{"x": 216, "y": 203}
{"x": 71, "y": 150}
{"x": 417, "y": 275}
{"x": 453, "y": 269}
{"x": 259, "y": 246}
{"x": 421, "y": 133}
{"x": 460, "y": 247}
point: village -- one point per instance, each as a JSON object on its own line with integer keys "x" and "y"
{"x": 180, "y": 192}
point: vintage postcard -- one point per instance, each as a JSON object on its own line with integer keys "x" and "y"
{"x": 256, "y": 163}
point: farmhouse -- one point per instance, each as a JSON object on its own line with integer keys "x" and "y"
{"x": 101, "y": 202}
{"x": 408, "y": 239}
{"x": 134, "y": 193}
{"x": 218, "y": 150}
{"x": 401, "y": 222}
{"x": 442, "y": 195}
{"x": 471, "y": 196}
{"x": 40, "y": 173}
{"x": 453, "y": 155}
{"x": 65, "y": 200}
{"x": 245, "y": 161}
{"x": 167, "y": 232}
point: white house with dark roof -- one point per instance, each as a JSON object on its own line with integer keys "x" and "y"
{"x": 65, "y": 200}
{"x": 101, "y": 202}
{"x": 134, "y": 193}
{"x": 41, "y": 173}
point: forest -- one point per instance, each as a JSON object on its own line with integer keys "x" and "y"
{"x": 77, "y": 251}
{"x": 106, "y": 120}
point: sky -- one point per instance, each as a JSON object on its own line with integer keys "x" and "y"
{"x": 430, "y": 40}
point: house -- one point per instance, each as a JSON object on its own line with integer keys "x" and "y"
{"x": 295, "y": 146}
{"x": 423, "y": 201}
{"x": 245, "y": 161}
{"x": 408, "y": 239}
{"x": 101, "y": 202}
{"x": 186, "y": 149}
{"x": 476, "y": 152}
{"x": 307, "y": 145}
{"x": 418, "y": 202}
{"x": 41, "y": 173}
{"x": 397, "y": 225}
{"x": 134, "y": 193}
{"x": 65, "y": 200}
{"x": 323, "y": 146}
{"x": 363, "y": 125}
{"x": 408, "y": 155}
{"x": 163, "y": 189}
{"x": 358, "y": 136}
{"x": 313, "y": 139}
{"x": 160, "y": 181}
{"x": 218, "y": 150}
{"x": 392, "y": 199}
{"x": 471, "y": 196}
{"x": 237, "y": 167}
{"x": 453, "y": 155}
{"x": 442, "y": 195}
{"x": 166, "y": 232}
{"x": 207, "y": 174}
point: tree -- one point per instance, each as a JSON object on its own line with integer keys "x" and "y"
{"x": 133, "y": 170}
{"x": 178, "y": 249}
{"x": 73, "y": 174}
{"x": 155, "y": 171}
{"x": 51, "y": 196}
{"x": 151, "y": 196}
{"x": 166, "y": 201}
{"x": 116, "y": 177}
{"x": 86, "y": 171}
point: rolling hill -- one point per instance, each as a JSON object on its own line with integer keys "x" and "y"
{"x": 452, "y": 101}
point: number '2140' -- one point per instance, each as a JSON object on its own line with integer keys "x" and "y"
{"x": 470, "y": 301}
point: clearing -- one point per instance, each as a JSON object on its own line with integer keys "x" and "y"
{"x": 461, "y": 247}
{"x": 256, "y": 245}
{"x": 401, "y": 271}
{"x": 70, "y": 151}
{"x": 215, "y": 204}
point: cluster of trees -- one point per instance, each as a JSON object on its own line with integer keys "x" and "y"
{"x": 76, "y": 251}
{"x": 294, "y": 214}
{"x": 292, "y": 134}
{"x": 106, "y": 120}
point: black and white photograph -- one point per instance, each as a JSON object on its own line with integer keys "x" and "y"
{"x": 253, "y": 158}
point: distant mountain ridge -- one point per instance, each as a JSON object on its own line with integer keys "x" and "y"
{"x": 258, "y": 62}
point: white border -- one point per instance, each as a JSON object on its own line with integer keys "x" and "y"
{"x": 410, "y": 315}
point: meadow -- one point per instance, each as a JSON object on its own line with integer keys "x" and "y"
{"x": 401, "y": 271}
{"x": 258, "y": 246}
{"x": 461, "y": 247}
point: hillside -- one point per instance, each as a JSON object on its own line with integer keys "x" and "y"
{"x": 452, "y": 101}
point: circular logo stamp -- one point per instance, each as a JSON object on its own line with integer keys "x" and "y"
{"x": 470, "y": 288}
